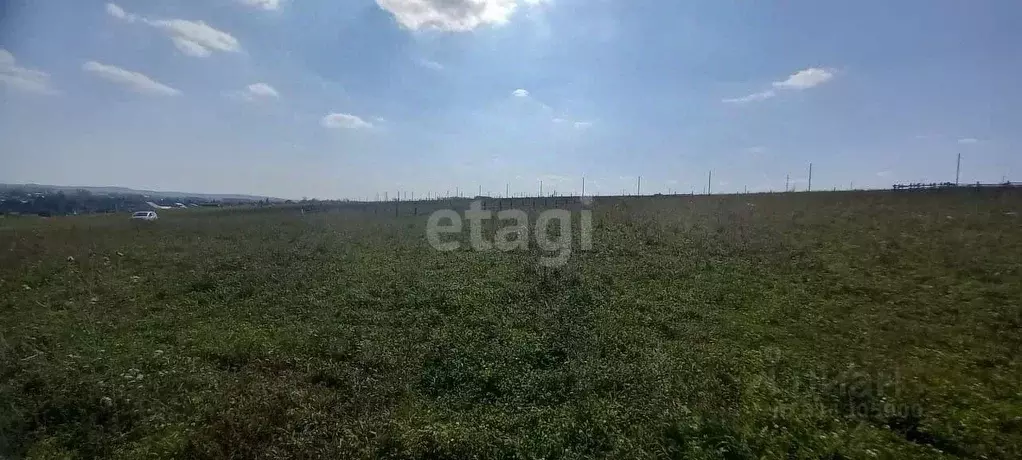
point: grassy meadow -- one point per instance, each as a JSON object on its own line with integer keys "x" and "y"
{"x": 825, "y": 325}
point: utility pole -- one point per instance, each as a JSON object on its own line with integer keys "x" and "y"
{"x": 709, "y": 179}
{"x": 958, "y": 169}
{"x": 457, "y": 192}
{"x": 583, "y": 186}
{"x": 810, "y": 188}
{"x": 787, "y": 182}
{"x": 638, "y": 186}
{"x": 507, "y": 190}
{"x": 540, "y": 188}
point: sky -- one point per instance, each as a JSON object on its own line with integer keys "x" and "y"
{"x": 351, "y": 99}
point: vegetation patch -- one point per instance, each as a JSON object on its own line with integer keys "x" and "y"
{"x": 823, "y": 325}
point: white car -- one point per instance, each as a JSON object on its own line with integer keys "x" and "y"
{"x": 144, "y": 215}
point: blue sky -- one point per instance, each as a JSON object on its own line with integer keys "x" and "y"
{"x": 347, "y": 99}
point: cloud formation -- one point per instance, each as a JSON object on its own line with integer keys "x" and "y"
{"x": 133, "y": 81}
{"x": 262, "y": 90}
{"x": 432, "y": 65}
{"x": 344, "y": 120}
{"x": 558, "y": 119}
{"x": 119, "y": 13}
{"x": 968, "y": 141}
{"x": 21, "y": 78}
{"x": 805, "y": 79}
{"x": 801, "y": 80}
{"x": 197, "y": 38}
{"x": 255, "y": 92}
{"x": 760, "y": 96}
{"x": 268, "y": 5}
{"x": 192, "y": 38}
{"x": 452, "y": 15}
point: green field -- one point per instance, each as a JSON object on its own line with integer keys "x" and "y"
{"x": 822, "y": 325}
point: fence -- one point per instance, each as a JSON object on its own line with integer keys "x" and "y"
{"x": 951, "y": 185}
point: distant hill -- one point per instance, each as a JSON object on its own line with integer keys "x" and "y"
{"x": 131, "y": 191}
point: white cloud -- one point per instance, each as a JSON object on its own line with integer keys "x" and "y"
{"x": 190, "y": 48}
{"x": 760, "y": 96}
{"x": 21, "y": 78}
{"x": 263, "y": 90}
{"x": 268, "y": 5}
{"x": 525, "y": 94}
{"x": 968, "y": 141}
{"x": 254, "y": 92}
{"x": 193, "y": 38}
{"x": 883, "y": 173}
{"x": 805, "y": 79}
{"x": 119, "y": 13}
{"x": 197, "y": 34}
{"x": 452, "y": 15}
{"x": 534, "y": 104}
{"x": 134, "y": 81}
{"x": 432, "y": 65}
{"x": 344, "y": 120}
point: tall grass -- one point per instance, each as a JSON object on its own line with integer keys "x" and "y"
{"x": 826, "y": 325}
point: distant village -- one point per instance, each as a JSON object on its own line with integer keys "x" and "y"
{"x": 49, "y": 201}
